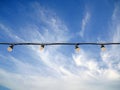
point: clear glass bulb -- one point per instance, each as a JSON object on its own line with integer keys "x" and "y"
{"x": 103, "y": 48}
{"x": 41, "y": 47}
{"x": 9, "y": 49}
{"x": 77, "y": 49}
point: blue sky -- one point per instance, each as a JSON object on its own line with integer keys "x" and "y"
{"x": 60, "y": 67}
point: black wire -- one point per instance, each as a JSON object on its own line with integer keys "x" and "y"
{"x": 79, "y": 43}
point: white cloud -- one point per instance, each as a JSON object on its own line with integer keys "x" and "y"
{"x": 17, "y": 82}
{"x": 112, "y": 56}
{"x": 84, "y": 23}
{"x": 9, "y": 33}
{"x": 83, "y": 73}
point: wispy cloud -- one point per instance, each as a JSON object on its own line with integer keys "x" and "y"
{"x": 51, "y": 69}
{"x": 112, "y": 56}
{"x": 84, "y": 23}
{"x": 17, "y": 82}
{"x": 6, "y": 30}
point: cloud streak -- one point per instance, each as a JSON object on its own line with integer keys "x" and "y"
{"x": 53, "y": 70}
{"x": 84, "y": 23}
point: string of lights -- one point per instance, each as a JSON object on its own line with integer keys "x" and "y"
{"x": 42, "y": 45}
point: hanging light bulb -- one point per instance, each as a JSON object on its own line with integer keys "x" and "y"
{"x": 10, "y": 48}
{"x": 77, "y": 48}
{"x": 42, "y": 47}
{"x": 103, "y": 47}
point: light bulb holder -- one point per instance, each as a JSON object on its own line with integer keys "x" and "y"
{"x": 10, "y": 48}
{"x": 77, "y": 48}
{"x": 42, "y": 47}
{"x": 103, "y": 47}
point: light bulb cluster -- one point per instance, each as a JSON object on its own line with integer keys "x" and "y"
{"x": 42, "y": 45}
{"x": 77, "y": 49}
